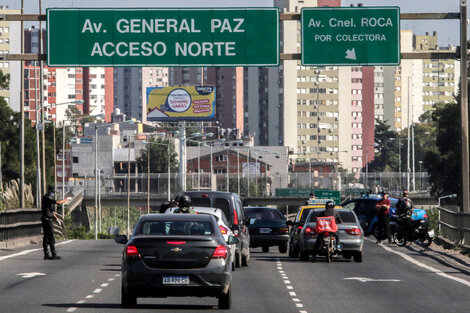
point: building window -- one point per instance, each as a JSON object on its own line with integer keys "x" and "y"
{"x": 75, "y": 159}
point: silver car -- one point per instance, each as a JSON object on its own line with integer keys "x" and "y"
{"x": 351, "y": 235}
{"x": 221, "y": 221}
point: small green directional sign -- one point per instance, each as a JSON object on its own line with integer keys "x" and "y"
{"x": 350, "y": 36}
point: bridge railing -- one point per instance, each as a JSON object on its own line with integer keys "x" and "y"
{"x": 246, "y": 184}
{"x": 454, "y": 225}
{"x": 19, "y": 223}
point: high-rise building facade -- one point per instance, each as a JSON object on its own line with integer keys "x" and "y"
{"x": 130, "y": 88}
{"x": 10, "y": 43}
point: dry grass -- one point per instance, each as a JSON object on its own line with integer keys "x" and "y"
{"x": 10, "y": 196}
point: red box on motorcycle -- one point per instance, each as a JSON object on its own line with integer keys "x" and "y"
{"x": 326, "y": 224}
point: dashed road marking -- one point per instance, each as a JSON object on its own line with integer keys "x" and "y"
{"x": 97, "y": 290}
{"x": 292, "y": 294}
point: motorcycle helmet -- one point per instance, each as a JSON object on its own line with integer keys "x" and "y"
{"x": 329, "y": 204}
{"x": 184, "y": 201}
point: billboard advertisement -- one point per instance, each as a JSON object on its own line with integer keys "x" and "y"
{"x": 187, "y": 103}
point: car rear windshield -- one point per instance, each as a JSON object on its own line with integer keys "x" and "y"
{"x": 346, "y": 216}
{"x": 170, "y": 228}
{"x": 204, "y": 202}
{"x": 304, "y": 215}
{"x": 264, "y": 214}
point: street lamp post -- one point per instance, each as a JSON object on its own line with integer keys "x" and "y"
{"x": 238, "y": 170}
{"x": 421, "y": 175}
{"x": 367, "y": 163}
{"x": 228, "y": 176}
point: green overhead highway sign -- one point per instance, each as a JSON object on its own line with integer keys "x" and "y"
{"x": 350, "y": 36}
{"x": 163, "y": 37}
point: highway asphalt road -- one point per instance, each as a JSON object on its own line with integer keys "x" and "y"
{"x": 390, "y": 279}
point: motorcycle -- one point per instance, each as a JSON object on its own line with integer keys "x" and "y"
{"x": 328, "y": 246}
{"x": 417, "y": 230}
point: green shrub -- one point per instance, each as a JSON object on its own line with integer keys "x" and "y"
{"x": 433, "y": 218}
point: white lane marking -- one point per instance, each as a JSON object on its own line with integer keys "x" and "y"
{"x": 30, "y": 275}
{"x": 97, "y": 290}
{"x": 80, "y": 301}
{"x": 302, "y": 311}
{"x": 117, "y": 275}
{"x": 296, "y": 299}
{"x": 286, "y": 282}
{"x": 365, "y": 279}
{"x": 89, "y": 296}
{"x": 430, "y": 268}
{"x": 299, "y": 305}
{"x": 29, "y": 251}
{"x": 18, "y": 254}
{"x": 71, "y": 309}
{"x": 289, "y": 287}
{"x": 292, "y": 293}
{"x": 110, "y": 279}
{"x": 64, "y": 242}
{"x": 282, "y": 272}
{"x": 104, "y": 285}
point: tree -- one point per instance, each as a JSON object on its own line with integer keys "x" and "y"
{"x": 444, "y": 161}
{"x": 10, "y": 141}
{"x": 386, "y": 158}
{"x": 158, "y": 157}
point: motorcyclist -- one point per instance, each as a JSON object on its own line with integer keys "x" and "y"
{"x": 329, "y": 211}
{"x": 184, "y": 203}
{"x": 404, "y": 213}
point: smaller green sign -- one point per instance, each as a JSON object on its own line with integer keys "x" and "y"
{"x": 350, "y": 36}
{"x": 304, "y": 192}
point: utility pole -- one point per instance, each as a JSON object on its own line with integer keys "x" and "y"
{"x": 22, "y": 115}
{"x": 41, "y": 91}
{"x": 464, "y": 105}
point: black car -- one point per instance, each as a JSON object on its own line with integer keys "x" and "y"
{"x": 231, "y": 204}
{"x": 176, "y": 255}
{"x": 267, "y": 228}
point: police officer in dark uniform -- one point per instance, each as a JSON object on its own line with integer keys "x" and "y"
{"x": 184, "y": 203}
{"x": 47, "y": 218}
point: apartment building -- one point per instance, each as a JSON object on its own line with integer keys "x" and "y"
{"x": 10, "y": 43}
{"x": 130, "y": 88}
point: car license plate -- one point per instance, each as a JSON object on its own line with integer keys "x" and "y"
{"x": 175, "y": 280}
{"x": 265, "y": 230}
{"x": 431, "y": 233}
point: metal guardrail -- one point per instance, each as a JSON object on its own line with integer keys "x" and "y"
{"x": 455, "y": 225}
{"x": 20, "y": 223}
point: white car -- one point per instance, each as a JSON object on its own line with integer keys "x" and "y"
{"x": 221, "y": 221}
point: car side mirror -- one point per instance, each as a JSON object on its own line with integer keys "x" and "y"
{"x": 232, "y": 240}
{"x": 122, "y": 239}
{"x": 289, "y": 223}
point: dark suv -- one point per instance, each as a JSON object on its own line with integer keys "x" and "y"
{"x": 231, "y": 204}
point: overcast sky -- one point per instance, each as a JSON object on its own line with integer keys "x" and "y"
{"x": 448, "y": 30}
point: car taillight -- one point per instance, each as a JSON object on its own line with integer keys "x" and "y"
{"x": 235, "y": 217}
{"x": 220, "y": 252}
{"x": 425, "y": 215}
{"x": 131, "y": 251}
{"x": 223, "y": 230}
{"x": 354, "y": 231}
{"x": 300, "y": 227}
{"x": 309, "y": 231}
{"x": 176, "y": 242}
{"x": 284, "y": 230}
